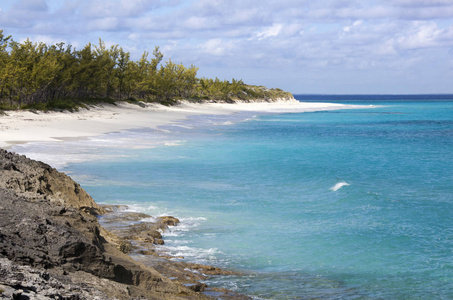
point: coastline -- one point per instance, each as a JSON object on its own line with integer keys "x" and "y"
{"x": 25, "y": 126}
{"x": 53, "y": 245}
{"x": 17, "y": 127}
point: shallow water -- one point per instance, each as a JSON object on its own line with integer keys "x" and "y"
{"x": 346, "y": 204}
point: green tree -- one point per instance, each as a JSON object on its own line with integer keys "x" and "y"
{"x": 4, "y": 68}
{"x": 86, "y": 83}
{"x": 123, "y": 73}
{"x": 41, "y": 75}
{"x": 106, "y": 61}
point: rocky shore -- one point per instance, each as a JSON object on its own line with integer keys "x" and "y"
{"x": 52, "y": 245}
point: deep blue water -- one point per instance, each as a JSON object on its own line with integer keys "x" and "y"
{"x": 345, "y": 204}
{"x": 360, "y": 99}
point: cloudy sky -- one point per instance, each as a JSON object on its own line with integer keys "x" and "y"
{"x": 303, "y": 46}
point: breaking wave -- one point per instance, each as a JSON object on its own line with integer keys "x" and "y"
{"x": 339, "y": 185}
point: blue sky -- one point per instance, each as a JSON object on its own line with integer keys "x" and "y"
{"x": 304, "y": 46}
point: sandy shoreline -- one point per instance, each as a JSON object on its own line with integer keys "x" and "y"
{"x": 27, "y": 126}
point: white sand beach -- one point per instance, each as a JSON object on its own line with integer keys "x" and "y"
{"x": 27, "y": 126}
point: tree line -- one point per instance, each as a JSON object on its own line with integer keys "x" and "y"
{"x": 37, "y": 75}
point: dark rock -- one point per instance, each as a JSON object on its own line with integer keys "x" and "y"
{"x": 169, "y": 220}
{"x": 35, "y": 179}
{"x": 24, "y": 282}
{"x": 158, "y": 241}
{"x": 198, "y": 287}
{"x": 53, "y": 247}
{"x": 147, "y": 252}
{"x": 32, "y": 234}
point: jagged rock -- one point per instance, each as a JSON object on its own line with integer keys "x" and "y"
{"x": 41, "y": 235}
{"x": 198, "y": 287}
{"x": 208, "y": 270}
{"x": 52, "y": 245}
{"x": 34, "y": 179}
{"x": 158, "y": 241}
{"x": 125, "y": 215}
{"x": 25, "y": 282}
{"x": 169, "y": 220}
{"x": 121, "y": 244}
{"x": 147, "y": 252}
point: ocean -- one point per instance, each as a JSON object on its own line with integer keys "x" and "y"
{"x": 342, "y": 204}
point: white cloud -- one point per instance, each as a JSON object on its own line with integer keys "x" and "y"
{"x": 109, "y": 23}
{"x": 46, "y": 39}
{"x": 271, "y": 31}
{"x": 423, "y": 2}
{"x": 216, "y": 47}
{"x": 200, "y": 23}
{"x": 283, "y": 35}
{"x": 386, "y": 48}
{"x": 118, "y": 8}
{"x": 243, "y": 16}
{"x": 355, "y": 24}
{"x": 31, "y": 5}
{"x": 170, "y": 47}
{"x": 424, "y": 34}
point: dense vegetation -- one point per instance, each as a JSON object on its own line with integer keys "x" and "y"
{"x": 36, "y": 75}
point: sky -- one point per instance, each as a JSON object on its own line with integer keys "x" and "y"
{"x": 302, "y": 46}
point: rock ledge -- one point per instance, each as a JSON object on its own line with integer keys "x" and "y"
{"x": 53, "y": 247}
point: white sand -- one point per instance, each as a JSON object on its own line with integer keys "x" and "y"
{"x": 24, "y": 126}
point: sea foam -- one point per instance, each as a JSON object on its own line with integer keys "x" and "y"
{"x": 339, "y": 185}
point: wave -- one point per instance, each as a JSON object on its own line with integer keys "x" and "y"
{"x": 338, "y": 186}
{"x": 178, "y": 246}
{"x": 223, "y": 123}
{"x": 174, "y": 143}
{"x": 193, "y": 254}
{"x": 182, "y": 126}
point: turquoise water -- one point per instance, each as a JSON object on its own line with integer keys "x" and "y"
{"x": 346, "y": 204}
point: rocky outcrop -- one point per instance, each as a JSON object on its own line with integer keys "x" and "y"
{"x": 53, "y": 247}
{"x": 34, "y": 179}
{"x": 168, "y": 221}
{"x": 142, "y": 231}
{"x": 24, "y": 282}
{"x": 65, "y": 240}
